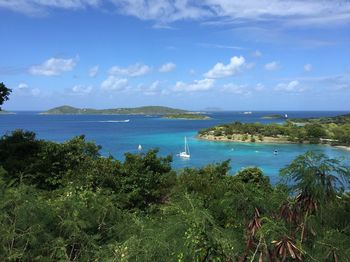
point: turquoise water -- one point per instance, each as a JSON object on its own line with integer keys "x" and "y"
{"x": 167, "y": 135}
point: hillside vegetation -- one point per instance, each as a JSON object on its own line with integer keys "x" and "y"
{"x": 144, "y": 110}
{"x": 64, "y": 202}
{"x": 187, "y": 116}
{"x": 330, "y": 130}
{"x": 339, "y": 120}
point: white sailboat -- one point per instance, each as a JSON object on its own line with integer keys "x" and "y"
{"x": 139, "y": 147}
{"x": 186, "y": 153}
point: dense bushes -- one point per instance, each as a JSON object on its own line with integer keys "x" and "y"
{"x": 63, "y": 202}
{"x": 311, "y": 132}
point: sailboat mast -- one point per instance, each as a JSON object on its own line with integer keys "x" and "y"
{"x": 188, "y": 149}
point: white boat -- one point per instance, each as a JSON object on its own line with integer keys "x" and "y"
{"x": 285, "y": 116}
{"x": 186, "y": 153}
{"x": 139, "y": 147}
{"x": 247, "y": 113}
{"x": 116, "y": 121}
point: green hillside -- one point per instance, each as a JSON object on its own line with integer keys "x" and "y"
{"x": 342, "y": 119}
{"x": 144, "y": 110}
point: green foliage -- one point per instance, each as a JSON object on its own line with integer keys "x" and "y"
{"x": 253, "y": 176}
{"x": 317, "y": 176}
{"x": 65, "y": 202}
{"x": 4, "y": 93}
{"x": 314, "y": 132}
{"x": 146, "y": 179}
{"x": 143, "y": 110}
{"x": 18, "y": 151}
{"x": 189, "y": 116}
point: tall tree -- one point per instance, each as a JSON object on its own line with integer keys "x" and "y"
{"x": 4, "y": 93}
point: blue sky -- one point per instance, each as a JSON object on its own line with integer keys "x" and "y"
{"x": 228, "y": 54}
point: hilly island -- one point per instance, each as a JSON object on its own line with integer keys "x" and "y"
{"x": 324, "y": 130}
{"x": 166, "y": 112}
{"x": 144, "y": 110}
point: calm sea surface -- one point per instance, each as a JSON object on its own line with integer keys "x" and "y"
{"x": 116, "y": 138}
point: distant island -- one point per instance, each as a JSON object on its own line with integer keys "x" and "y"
{"x": 334, "y": 131}
{"x": 187, "y": 116}
{"x": 339, "y": 120}
{"x": 144, "y": 110}
{"x": 274, "y": 116}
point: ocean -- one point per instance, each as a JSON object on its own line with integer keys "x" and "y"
{"x": 117, "y": 136}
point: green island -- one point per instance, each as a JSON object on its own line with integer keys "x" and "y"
{"x": 331, "y": 130}
{"x": 188, "y": 116}
{"x": 65, "y": 202}
{"x": 144, "y": 110}
{"x": 273, "y": 116}
{"x": 339, "y": 120}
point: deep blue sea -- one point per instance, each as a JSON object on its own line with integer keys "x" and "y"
{"x": 167, "y": 135}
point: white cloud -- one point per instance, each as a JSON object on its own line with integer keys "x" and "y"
{"x": 53, "y": 67}
{"x": 196, "y": 85}
{"x": 220, "y": 70}
{"x": 23, "y": 86}
{"x": 113, "y": 83}
{"x": 272, "y": 66}
{"x": 307, "y": 67}
{"x": 41, "y": 7}
{"x": 292, "y": 86}
{"x": 93, "y": 71}
{"x": 237, "y": 11}
{"x": 167, "y": 67}
{"x": 236, "y": 89}
{"x": 24, "y": 89}
{"x": 152, "y": 89}
{"x": 242, "y": 89}
{"x": 131, "y": 71}
{"x": 289, "y": 12}
{"x": 222, "y": 46}
{"x": 81, "y": 89}
{"x": 164, "y": 11}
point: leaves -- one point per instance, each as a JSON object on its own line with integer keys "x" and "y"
{"x": 63, "y": 201}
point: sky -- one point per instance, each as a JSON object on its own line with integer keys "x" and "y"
{"x": 224, "y": 54}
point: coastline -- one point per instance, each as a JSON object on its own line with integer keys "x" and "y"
{"x": 184, "y": 118}
{"x": 266, "y": 140}
{"x": 347, "y": 148}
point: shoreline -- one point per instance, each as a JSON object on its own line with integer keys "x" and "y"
{"x": 184, "y": 118}
{"x": 347, "y": 148}
{"x": 266, "y": 140}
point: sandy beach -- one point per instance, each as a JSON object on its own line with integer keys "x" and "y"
{"x": 266, "y": 140}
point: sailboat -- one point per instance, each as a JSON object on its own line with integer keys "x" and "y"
{"x": 139, "y": 147}
{"x": 186, "y": 153}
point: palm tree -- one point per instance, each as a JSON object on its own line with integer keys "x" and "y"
{"x": 315, "y": 181}
{"x": 4, "y": 93}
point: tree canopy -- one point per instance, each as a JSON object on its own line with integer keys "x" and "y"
{"x": 4, "y": 93}
{"x": 66, "y": 202}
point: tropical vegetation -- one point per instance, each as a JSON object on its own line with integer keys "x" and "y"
{"x": 189, "y": 116}
{"x": 331, "y": 130}
{"x": 4, "y": 93}
{"x": 66, "y": 202}
{"x": 143, "y": 110}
